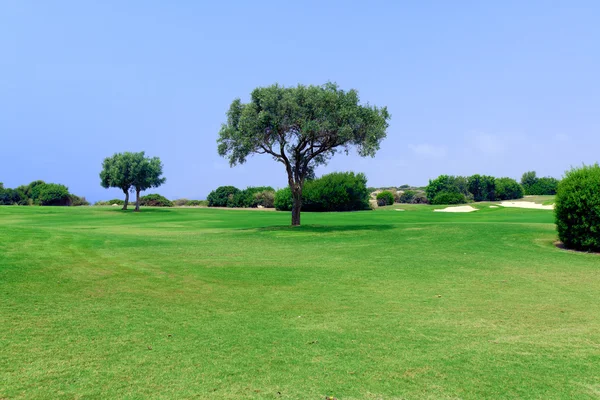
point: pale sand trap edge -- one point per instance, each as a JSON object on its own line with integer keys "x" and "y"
{"x": 399, "y": 209}
{"x": 460, "y": 209}
{"x": 526, "y": 204}
{"x": 493, "y": 206}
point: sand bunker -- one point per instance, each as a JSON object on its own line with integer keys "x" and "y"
{"x": 526, "y": 204}
{"x": 460, "y": 209}
{"x": 399, "y": 209}
{"x": 493, "y": 206}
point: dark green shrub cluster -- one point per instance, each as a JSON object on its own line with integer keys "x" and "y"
{"x": 534, "y": 186}
{"x": 338, "y": 191}
{"x": 476, "y": 187}
{"x": 508, "y": 189}
{"x": 577, "y": 208}
{"x": 78, "y": 201}
{"x": 413, "y": 197}
{"x": 230, "y": 196}
{"x": 385, "y": 198}
{"x": 10, "y": 197}
{"x": 223, "y": 196}
{"x": 155, "y": 200}
{"x": 449, "y": 198}
{"x": 53, "y": 194}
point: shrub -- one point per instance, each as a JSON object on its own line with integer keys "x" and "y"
{"x": 12, "y": 196}
{"x": 407, "y": 196}
{"x": 534, "y": 186}
{"x": 52, "y": 194}
{"x": 482, "y": 187}
{"x": 247, "y": 198}
{"x": 449, "y": 198}
{"x": 78, "y": 201}
{"x": 155, "y": 200}
{"x": 339, "y": 191}
{"x": 283, "y": 199}
{"x": 449, "y": 184}
{"x": 197, "y": 203}
{"x": 508, "y": 189}
{"x": 266, "y": 198}
{"x": 420, "y": 198}
{"x": 577, "y": 208}
{"x": 223, "y": 196}
{"x": 180, "y": 202}
{"x": 385, "y": 198}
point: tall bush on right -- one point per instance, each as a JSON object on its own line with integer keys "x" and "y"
{"x": 577, "y": 208}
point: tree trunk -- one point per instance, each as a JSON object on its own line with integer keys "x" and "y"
{"x": 126, "y": 199}
{"x": 297, "y": 205}
{"x": 137, "y": 200}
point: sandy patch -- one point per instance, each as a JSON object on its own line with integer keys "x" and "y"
{"x": 526, "y": 204}
{"x": 399, "y": 209}
{"x": 493, "y": 206}
{"x": 460, "y": 209}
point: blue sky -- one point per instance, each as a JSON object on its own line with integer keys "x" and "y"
{"x": 473, "y": 87}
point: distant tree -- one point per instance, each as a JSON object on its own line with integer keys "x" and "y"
{"x": 528, "y": 179}
{"x": 147, "y": 173}
{"x": 508, "y": 189}
{"x": 301, "y": 127}
{"x": 223, "y": 196}
{"x": 53, "y": 194}
{"x": 118, "y": 172}
{"x": 482, "y": 187}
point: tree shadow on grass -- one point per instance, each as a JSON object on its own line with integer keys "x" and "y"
{"x": 322, "y": 228}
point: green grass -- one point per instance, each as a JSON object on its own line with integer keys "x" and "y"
{"x": 217, "y": 304}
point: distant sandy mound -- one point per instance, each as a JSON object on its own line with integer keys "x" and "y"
{"x": 526, "y": 204}
{"x": 457, "y": 209}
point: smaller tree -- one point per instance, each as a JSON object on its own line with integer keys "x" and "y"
{"x": 482, "y": 187}
{"x": 53, "y": 194}
{"x": 147, "y": 173}
{"x": 117, "y": 171}
{"x": 223, "y": 196}
{"x": 508, "y": 189}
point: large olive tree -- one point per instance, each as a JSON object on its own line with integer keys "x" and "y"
{"x": 301, "y": 127}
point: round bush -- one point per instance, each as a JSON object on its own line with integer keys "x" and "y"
{"x": 53, "y": 194}
{"x": 155, "y": 200}
{"x": 224, "y": 196}
{"x": 577, "y": 209}
{"x": 449, "y": 198}
{"x": 385, "y": 198}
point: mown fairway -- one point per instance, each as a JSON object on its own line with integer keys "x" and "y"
{"x": 216, "y": 304}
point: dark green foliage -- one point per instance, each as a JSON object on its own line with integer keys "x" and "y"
{"x": 482, "y": 187}
{"x": 577, "y": 208}
{"x": 223, "y": 196}
{"x": 339, "y": 191}
{"x": 449, "y": 198}
{"x": 420, "y": 198}
{"x": 246, "y": 198}
{"x": 155, "y": 200}
{"x": 385, "y": 198}
{"x": 534, "y": 186}
{"x": 407, "y": 197}
{"x": 449, "y": 184}
{"x": 508, "y": 189}
{"x": 283, "y": 199}
{"x": 12, "y": 197}
{"x": 78, "y": 201}
{"x": 266, "y": 198}
{"x": 52, "y": 194}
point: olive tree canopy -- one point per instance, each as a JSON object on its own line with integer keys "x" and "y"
{"x": 301, "y": 127}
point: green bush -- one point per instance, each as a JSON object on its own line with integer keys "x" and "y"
{"x": 534, "y": 186}
{"x": 224, "y": 196}
{"x": 12, "y": 196}
{"x": 78, "y": 201}
{"x": 338, "y": 191}
{"x": 155, "y": 200}
{"x": 420, "y": 198}
{"x": 449, "y": 184}
{"x": 197, "y": 203}
{"x": 246, "y": 198}
{"x": 407, "y": 197}
{"x": 508, "y": 189}
{"x": 577, "y": 208}
{"x": 482, "y": 187}
{"x": 52, "y": 194}
{"x": 449, "y": 198}
{"x": 385, "y": 198}
{"x": 266, "y": 198}
{"x": 283, "y": 199}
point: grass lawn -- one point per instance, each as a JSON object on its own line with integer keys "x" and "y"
{"x": 216, "y": 304}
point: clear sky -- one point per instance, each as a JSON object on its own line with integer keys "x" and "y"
{"x": 473, "y": 86}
